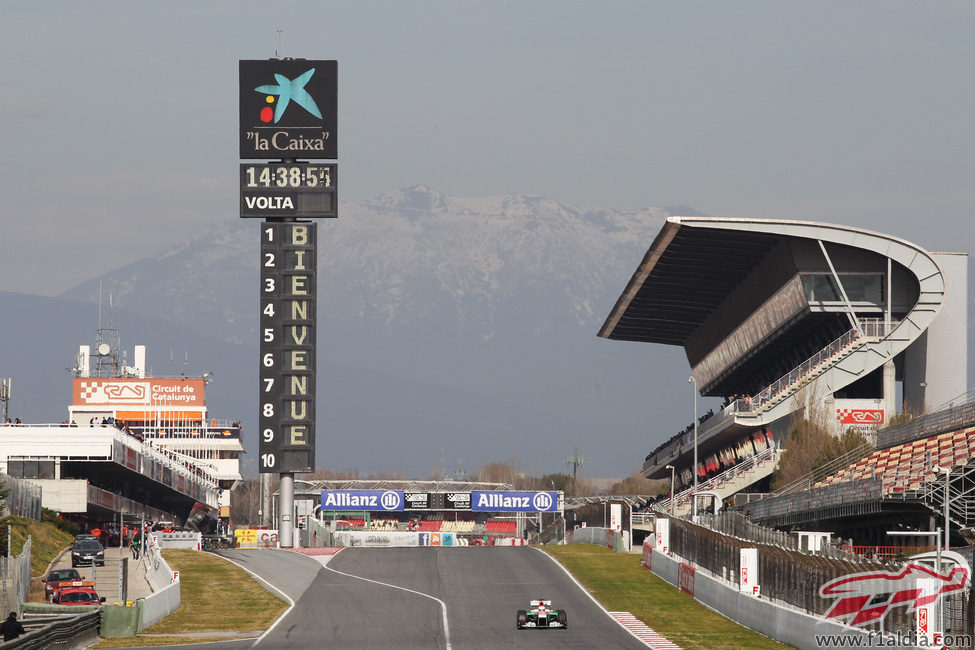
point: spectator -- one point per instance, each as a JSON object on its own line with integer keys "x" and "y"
{"x": 11, "y": 627}
{"x": 135, "y": 547}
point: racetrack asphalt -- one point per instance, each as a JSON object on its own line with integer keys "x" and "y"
{"x": 391, "y": 598}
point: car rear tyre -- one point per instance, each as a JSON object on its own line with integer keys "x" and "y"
{"x": 522, "y": 618}
{"x": 562, "y": 619}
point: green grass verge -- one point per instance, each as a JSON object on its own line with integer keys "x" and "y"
{"x": 46, "y": 541}
{"x": 620, "y": 583}
{"x": 215, "y": 596}
{"x": 142, "y": 641}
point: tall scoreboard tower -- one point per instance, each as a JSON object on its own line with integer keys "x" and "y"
{"x": 288, "y": 124}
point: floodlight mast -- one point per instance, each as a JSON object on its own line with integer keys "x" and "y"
{"x": 672, "y": 495}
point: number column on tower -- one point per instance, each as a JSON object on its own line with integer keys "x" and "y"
{"x": 288, "y": 335}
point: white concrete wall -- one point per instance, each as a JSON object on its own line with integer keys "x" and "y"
{"x": 936, "y": 365}
{"x": 65, "y": 495}
{"x": 947, "y": 375}
{"x": 165, "y": 598}
{"x": 775, "y": 621}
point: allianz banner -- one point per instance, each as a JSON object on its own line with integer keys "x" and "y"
{"x": 362, "y": 500}
{"x": 483, "y": 501}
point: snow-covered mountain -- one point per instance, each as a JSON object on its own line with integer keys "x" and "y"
{"x": 448, "y": 328}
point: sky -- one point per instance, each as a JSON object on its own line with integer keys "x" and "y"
{"x": 118, "y": 121}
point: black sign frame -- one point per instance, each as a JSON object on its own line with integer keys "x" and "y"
{"x": 289, "y": 261}
{"x": 288, "y": 109}
{"x": 289, "y": 190}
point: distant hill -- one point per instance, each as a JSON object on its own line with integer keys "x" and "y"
{"x": 448, "y": 328}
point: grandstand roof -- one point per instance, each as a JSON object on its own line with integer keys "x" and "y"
{"x": 705, "y": 280}
{"x": 683, "y": 277}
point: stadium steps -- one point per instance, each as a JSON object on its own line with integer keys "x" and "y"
{"x": 730, "y": 482}
{"x": 758, "y": 407}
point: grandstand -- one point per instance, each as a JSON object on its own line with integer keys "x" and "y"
{"x": 786, "y": 317}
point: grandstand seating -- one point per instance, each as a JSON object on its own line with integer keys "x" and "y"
{"x": 904, "y": 467}
{"x": 501, "y": 527}
{"x": 459, "y": 526}
{"x": 383, "y": 523}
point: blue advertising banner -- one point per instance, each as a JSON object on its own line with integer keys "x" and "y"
{"x": 483, "y": 501}
{"x": 360, "y": 500}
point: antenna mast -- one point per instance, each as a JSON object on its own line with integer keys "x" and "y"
{"x": 576, "y": 461}
{"x": 107, "y": 343}
{"x": 4, "y": 398}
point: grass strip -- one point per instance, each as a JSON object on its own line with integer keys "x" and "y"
{"x": 46, "y": 542}
{"x": 620, "y": 583}
{"x": 142, "y": 641}
{"x": 215, "y": 596}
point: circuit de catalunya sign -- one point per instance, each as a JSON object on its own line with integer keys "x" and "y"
{"x": 484, "y": 501}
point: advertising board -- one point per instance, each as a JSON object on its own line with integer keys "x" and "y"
{"x": 492, "y": 501}
{"x": 362, "y": 500}
{"x": 288, "y": 109}
{"x": 122, "y": 392}
{"x": 417, "y": 500}
{"x": 457, "y": 501}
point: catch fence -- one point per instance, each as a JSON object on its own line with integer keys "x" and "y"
{"x": 787, "y": 575}
{"x": 23, "y": 497}
{"x": 15, "y": 578}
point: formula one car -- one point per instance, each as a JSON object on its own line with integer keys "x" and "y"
{"x": 541, "y": 614}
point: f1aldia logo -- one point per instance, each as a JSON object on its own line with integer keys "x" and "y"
{"x": 286, "y": 91}
{"x": 863, "y": 598}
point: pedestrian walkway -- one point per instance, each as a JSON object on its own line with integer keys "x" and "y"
{"x": 108, "y": 578}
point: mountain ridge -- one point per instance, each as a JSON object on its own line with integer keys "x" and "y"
{"x": 448, "y": 303}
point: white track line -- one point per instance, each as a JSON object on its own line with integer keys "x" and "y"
{"x": 323, "y": 559}
{"x": 663, "y": 640}
{"x": 291, "y": 603}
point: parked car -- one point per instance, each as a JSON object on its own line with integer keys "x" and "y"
{"x": 87, "y": 552}
{"x": 58, "y": 577}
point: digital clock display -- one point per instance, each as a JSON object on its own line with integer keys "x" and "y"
{"x": 269, "y": 190}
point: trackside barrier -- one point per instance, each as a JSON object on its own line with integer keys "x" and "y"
{"x": 119, "y": 621}
{"x": 256, "y": 538}
{"x": 780, "y": 623}
{"x": 394, "y": 538}
{"x": 46, "y": 629}
{"x": 165, "y": 598}
{"x": 608, "y": 537}
{"x": 191, "y": 541}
